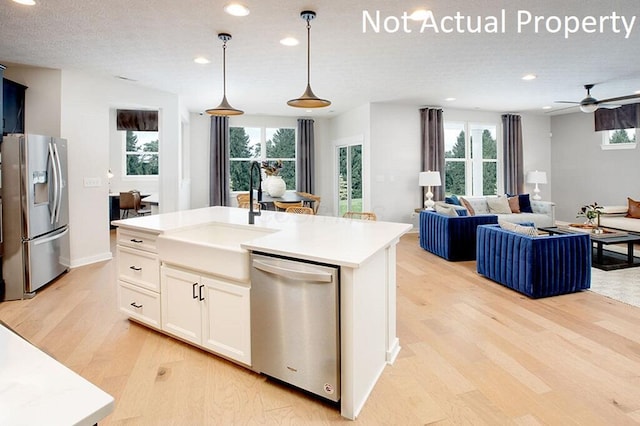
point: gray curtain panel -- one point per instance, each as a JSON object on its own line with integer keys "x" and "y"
{"x": 306, "y": 158}
{"x": 432, "y": 147}
{"x": 512, "y": 148}
{"x": 219, "y": 162}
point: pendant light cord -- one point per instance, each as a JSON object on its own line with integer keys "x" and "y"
{"x": 308, "y": 51}
{"x": 224, "y": 69}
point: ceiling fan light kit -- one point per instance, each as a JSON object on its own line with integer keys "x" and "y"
{"x": 224, "y": 109}
{"x": 308, "y": 98}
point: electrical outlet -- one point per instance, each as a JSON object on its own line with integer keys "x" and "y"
{"x": 91, "y": 182}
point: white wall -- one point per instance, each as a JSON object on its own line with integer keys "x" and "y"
{"x": 583, "y": 172}
{"x": 351, "y": 127}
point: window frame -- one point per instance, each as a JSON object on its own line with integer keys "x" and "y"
{"x": 263, "y": 152}
{"x": 125, "y": 154}
{"x": 606, "y": 140}
{"x": 471, "y": 172}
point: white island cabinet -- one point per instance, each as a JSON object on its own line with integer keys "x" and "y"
{"x": 208, "y": 303}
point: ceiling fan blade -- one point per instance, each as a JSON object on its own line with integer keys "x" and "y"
{"x": 620, "y": 98}
{"x": 561, "y": 109}
{"x": 566, "y": 102}
{"x": 609, "y": 106}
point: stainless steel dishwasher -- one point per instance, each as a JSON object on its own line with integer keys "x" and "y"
{"x": 295, "y": 323}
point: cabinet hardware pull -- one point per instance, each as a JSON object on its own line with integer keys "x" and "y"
{"x": 135, "y": 305}
{"x": 133, "y": 240}
{"x": 193, "y": 292}
{"x": 135, "y": 268}
{"x": 200, "y": 292}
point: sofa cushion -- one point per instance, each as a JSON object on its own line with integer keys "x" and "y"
{"x": 498, "y": 205}
{"x": 467, "y": 205}
{"x": 525, "y": 203}
{"x": 634, "y": 208}
{"x": 517, "y": 228}
{"x": 620, "y": 222}
{"x": 446, "y": 210}
{"x": 514, "y": 204}
{"x": 453, "y": 199}
{"x": 614, "y": 210}
{"x": 539, "y": 220}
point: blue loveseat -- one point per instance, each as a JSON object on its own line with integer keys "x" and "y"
{"x": 535, "y": 266}
{"x": 451, "y": 237}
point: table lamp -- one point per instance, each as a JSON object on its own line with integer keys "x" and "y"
{"x": 537, "y": 177}
{"x": 429, "y": 179}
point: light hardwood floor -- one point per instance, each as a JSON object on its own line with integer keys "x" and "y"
{"x": 473, "y": 352}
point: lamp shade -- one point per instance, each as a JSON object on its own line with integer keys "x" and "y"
{"x": 537, "y": 177}
{"x": 429, "y": 179}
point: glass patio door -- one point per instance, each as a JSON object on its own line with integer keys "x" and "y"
{"x": 349, "y": 158}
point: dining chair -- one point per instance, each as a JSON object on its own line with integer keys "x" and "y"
{"x": 300, "y": 210}
{"x": 281, "y": 206}
{"x": 131, "y": 202}
{"x": 360, "y": 215}
{"x": 316, "y": 201}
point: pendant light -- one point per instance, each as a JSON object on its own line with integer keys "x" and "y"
{"x": 224, "y": 108}
{"x": 308, "y": 98}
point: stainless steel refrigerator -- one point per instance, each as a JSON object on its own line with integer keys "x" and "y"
{"x": 35, "y": 213}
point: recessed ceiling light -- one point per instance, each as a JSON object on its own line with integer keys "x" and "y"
{"x": 26, "y": 2}
{"x": 236, "y": 9}
{"x": 450, "y": 99}
{"x": 529, "y": 77}
{"x": 419, "y": 15}
{"x": 201, "y": 60}
{"x": 546, "y": 107}
{"x": 289, "y": 41}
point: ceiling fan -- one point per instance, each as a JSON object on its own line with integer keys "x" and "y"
{"x": 590, "y": 104}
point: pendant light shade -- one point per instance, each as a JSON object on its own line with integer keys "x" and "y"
{"x": 224, "y": 108}
{"x": 308, "y": 98}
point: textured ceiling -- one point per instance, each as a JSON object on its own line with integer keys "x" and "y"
{"x": 155, "y": 42}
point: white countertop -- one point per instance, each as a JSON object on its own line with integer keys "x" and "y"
{"x": 347, "y": 242}
{"x": 35, "y": 389}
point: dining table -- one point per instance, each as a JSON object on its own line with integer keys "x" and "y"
{"x": 267, "y": 201}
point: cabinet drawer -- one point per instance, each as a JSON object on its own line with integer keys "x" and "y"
{"x": 139, "y": 304}
{"x": 137, "y": 239}
{"x": 139, "y": 267}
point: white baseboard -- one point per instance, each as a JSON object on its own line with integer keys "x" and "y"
{"x": 90, "y": 259}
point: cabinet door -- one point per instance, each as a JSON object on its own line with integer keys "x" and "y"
{"x": 226, "y": 321}
{"x": 181, "y": 304}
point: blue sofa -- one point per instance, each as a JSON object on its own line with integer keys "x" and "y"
{"x": 451, "y": 237}
{"x": 535, "y": 266}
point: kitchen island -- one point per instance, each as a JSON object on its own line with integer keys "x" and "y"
{"x": 169, "y": 261}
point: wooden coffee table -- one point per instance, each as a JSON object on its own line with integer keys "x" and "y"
{"x": 611, "y": 260}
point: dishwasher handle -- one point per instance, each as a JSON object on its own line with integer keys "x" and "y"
{"x": 323, "y": 277}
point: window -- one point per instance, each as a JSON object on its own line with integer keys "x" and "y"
{"x": 349, "y": 178}
{"x": 619, "y": 139}
{"x": 471, "y": 159}
{"x": 141, "y": 153}
{"x": 247, "y": 144}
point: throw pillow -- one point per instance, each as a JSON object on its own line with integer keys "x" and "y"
{"x": 446, "y": 210}
{"x": 467, "y": 206}
{"x": 514, "y": 204}
{"x": 498, "y": 205}
{"x": 453, "y": 200}
{"x": 518, "y": 229}
{"x": 525, "y": 203}
{"x": 634, "y": 208}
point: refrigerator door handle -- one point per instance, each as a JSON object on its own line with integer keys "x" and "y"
{"x": 59, "y": 183}
{"x": 55, "y": 183}
{"x": 323, "y": 277}
{"x": 40, "y": 241}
